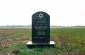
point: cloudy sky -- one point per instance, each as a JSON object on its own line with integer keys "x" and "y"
{"x": 62, "y": 12}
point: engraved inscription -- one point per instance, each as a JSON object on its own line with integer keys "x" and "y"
{"x": 40, "y": 33}
{"x": 43, "y": 20}
{"x": 40, "y": 27}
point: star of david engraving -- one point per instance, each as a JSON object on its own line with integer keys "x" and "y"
{"x": 40, "y": 15}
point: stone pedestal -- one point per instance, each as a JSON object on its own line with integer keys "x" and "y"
{"x": 30, "y": 44}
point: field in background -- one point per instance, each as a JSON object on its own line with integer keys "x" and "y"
{"x": 69, "y": 41}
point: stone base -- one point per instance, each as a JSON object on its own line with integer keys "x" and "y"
{"x": 30, "y": 44}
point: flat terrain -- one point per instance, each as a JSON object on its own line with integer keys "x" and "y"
{"x": 69, "y": 41}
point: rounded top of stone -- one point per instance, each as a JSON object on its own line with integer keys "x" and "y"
{"x": 41, "y": 13}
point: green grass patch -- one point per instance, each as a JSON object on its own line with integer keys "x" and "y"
{"x": 69, "y": 41}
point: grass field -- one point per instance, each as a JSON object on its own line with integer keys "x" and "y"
{"x": 69, "y": 41}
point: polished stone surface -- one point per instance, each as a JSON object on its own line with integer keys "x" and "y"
{"x": 40, "y": 27}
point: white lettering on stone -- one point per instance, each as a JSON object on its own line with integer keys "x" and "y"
{"x": 40, "y": 33}
{"x": 40, "y": 27}
{"x": 39, "y": 37}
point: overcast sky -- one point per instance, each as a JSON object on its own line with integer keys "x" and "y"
{"x": 62, "y": 12}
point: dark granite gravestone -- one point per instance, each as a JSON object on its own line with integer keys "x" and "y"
{"x": 40, "y": 29}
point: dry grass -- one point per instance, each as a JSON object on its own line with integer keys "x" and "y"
{"x": 69, "y": 41}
